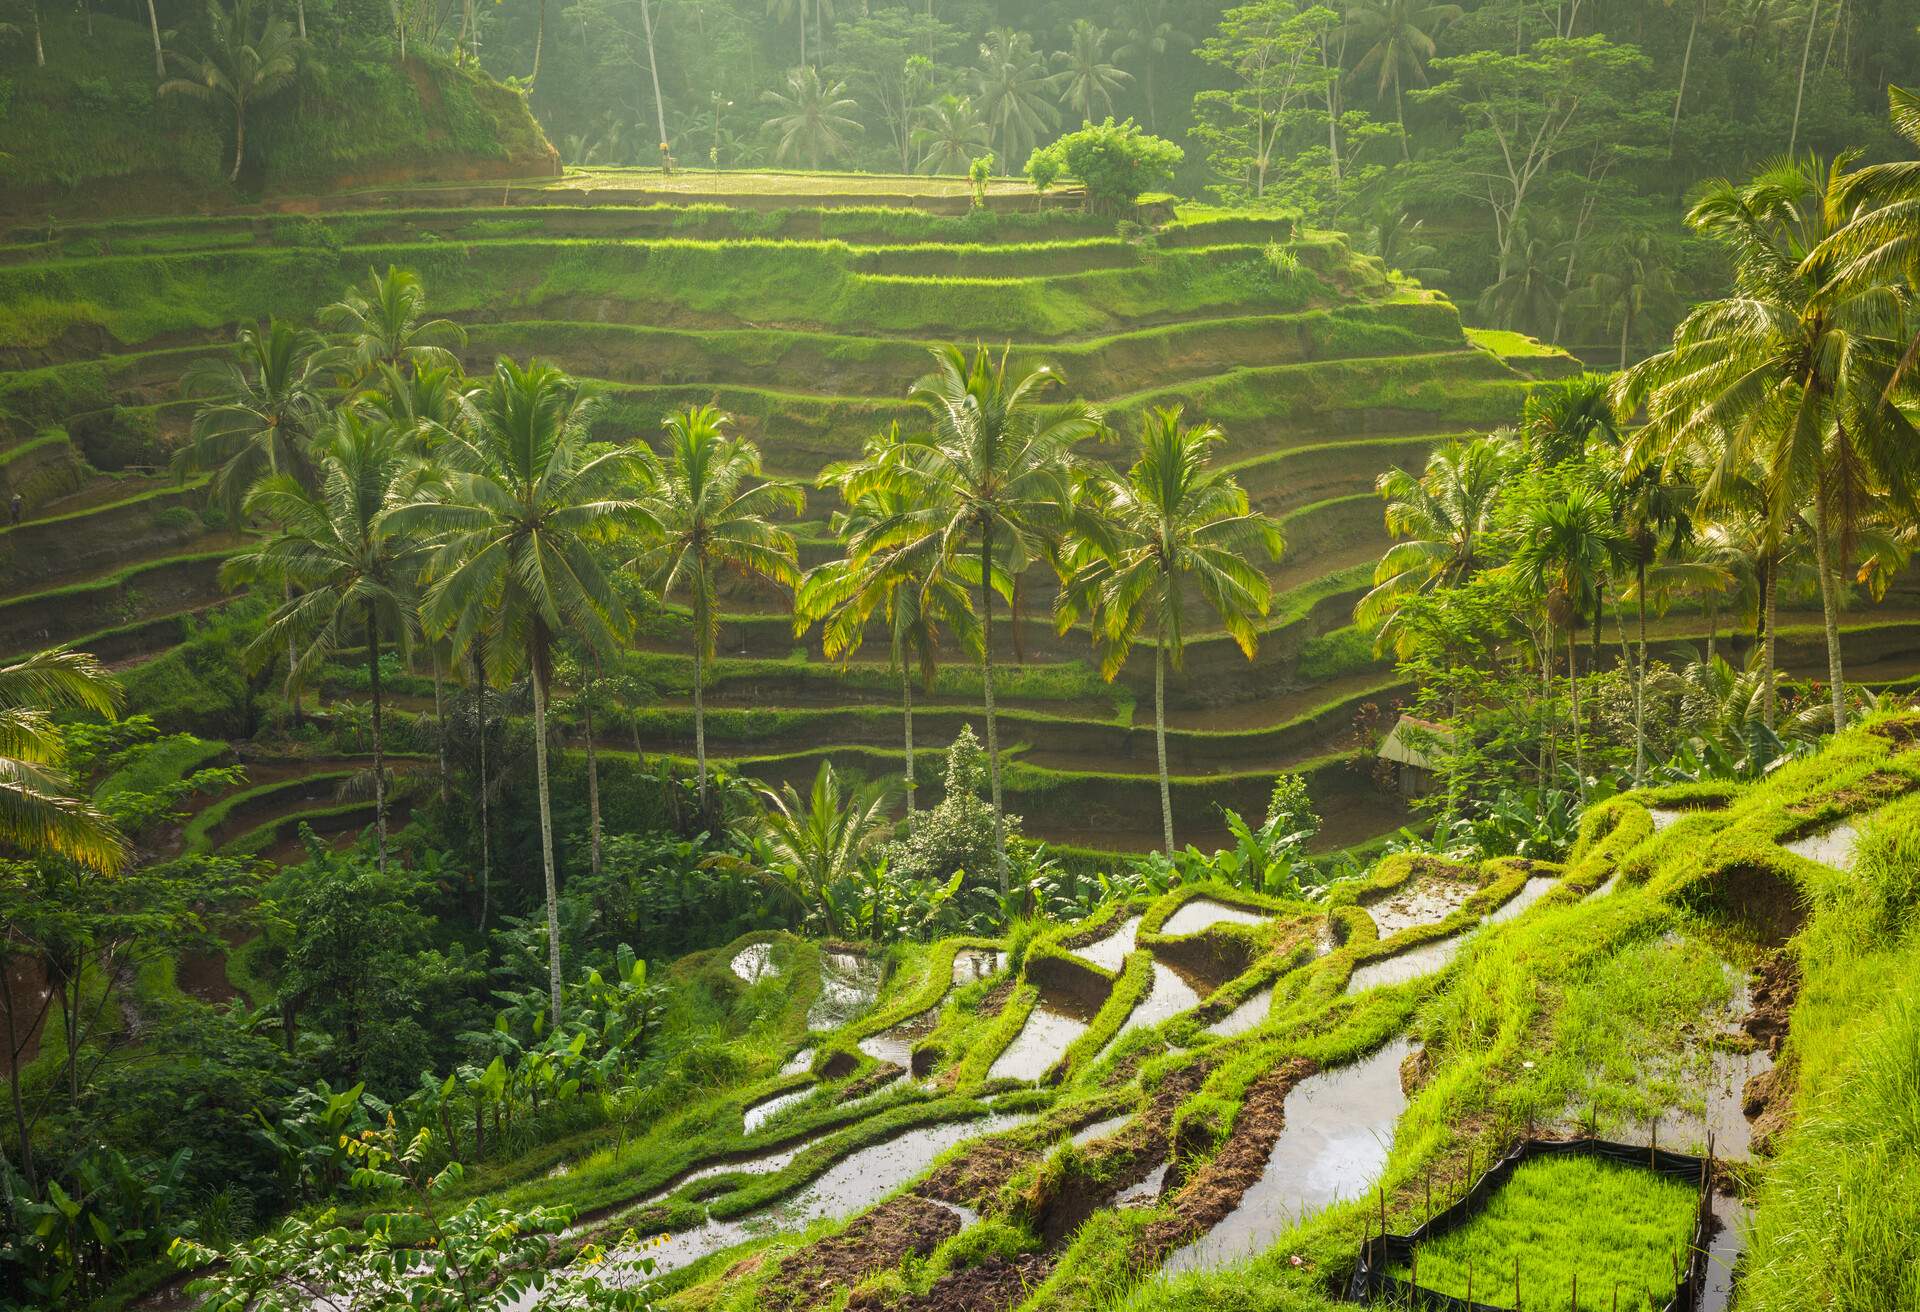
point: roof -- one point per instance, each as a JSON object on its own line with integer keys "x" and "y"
{"x": 1404, "y": 744}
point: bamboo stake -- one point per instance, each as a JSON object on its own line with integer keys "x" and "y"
{"x": 1616, "y": 1296}
{"x": 1516, "y": 1282}
{"x": 1469, "y": 1282}
{"x": 1576, "y": 1291}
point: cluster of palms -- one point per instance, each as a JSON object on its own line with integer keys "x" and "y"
{"x": 1004, "y": 105}
{"x": 1779, "y": 443}
{"x": 407, "y": 504}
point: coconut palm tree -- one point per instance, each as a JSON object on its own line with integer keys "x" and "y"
{"x": 1086, "y": 82}
{"x": 992, "y": 476}
{"x": 705, "y": 509}
{"x": 1011, "y": 83}
{"x": 1563, "y": 552}
{"x": 386, "y": 326}
{"x": 1788, "y": 375}
{"x": 519, "y": 557}
{"x": 40, "y": 814}
{"x": 1880, "y": 244}
{"x": 1399, "y": 40}
{"x": 1169, "y": 531}
{"x": 782, "y": 10}
{"x": 1150, "y": 37}
{"x": 1633, "y": 281}
{"x": 240, "y": 67}
{"x": 1446, "y": 516}
{"x": 349, "y": 572}
{"x": 814, "y": 120}
{"x": 951, "y": 136}
{"x": 905, "y": 584}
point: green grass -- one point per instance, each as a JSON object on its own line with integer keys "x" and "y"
{"x": 1566, "y": 1219}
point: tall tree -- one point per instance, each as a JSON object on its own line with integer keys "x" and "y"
{"x": 813, "y": 119}
{"x": 519, "y": 557}
{"x": 386, "y": 327}
{"x": 1271, "y": 51}
{"x": 350, "y": 574}
{"x": 1086, "y": 82}
{"x": 1010, "y": 83}
{"x": 1398, "y": 36}
{"x": 1171, "y": 531}
{"x": 704, "y": 507}
{"x": 951, "y": 135}
{"x": 990, "y": 475}
{"x": 1150, "y": 37}
{"x": 40, "y": 815}
{"x": 240, "y": 67}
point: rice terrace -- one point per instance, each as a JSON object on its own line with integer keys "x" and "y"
{"x": 705, "y": 656}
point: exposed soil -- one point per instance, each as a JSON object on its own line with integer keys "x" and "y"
{"x": 992, "y": 1286}
{"x": 969, "y": 1180}
{"x": 1427, "y": 899}
{"x": 1208, "y": 959}
{"x": 1206, "y": 1199}
{"x": 1862, "y": 795}
{"x": 903, "y": 1227}
{"x": 1775, "y": 988}
{"x": 838, "y": 1066}
{"x": 1763, "y": 904}
{"x": 1068, "y": 986}
{"x": 203, "y": 975}
{"x": 1905, "y": 732}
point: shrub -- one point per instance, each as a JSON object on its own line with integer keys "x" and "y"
{"x": 1116, "y": 162}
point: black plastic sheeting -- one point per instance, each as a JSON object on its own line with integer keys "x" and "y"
{"x": 1378, "y": 1255}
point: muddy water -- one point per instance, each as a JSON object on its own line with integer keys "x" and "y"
{"x": 1111, "y": 951}
{"x": 1427, "y": 902}
{"x": 1245, "y": 1016}
{"x": 1144, "y": 1193}
{"x": 1530, "y": 892}
{"x": 1724, "y": 1251}
{"x": 849, "y": 982}
{"x": 850, "y": 1185}
{"x": 1662, "y": 817}
{"x": 1101, "y": 1129}
{"x": 1338, "y": 1131}
{"x": 754, "y": 961}
{"x": 1046, "y": 1035}
{"x": 1204, "y": 913}
{"x": 895, "y": 1045}
{"x": 1411, "y": 964}
{"x": 1730, "y": 1064}
{"x": 970, "y": 964}
{"x": 1168, "y": 996}
{"x": 1831, "y": 847}
{"x": 800, "y": 1061}
{"x": 761, "y": 1112}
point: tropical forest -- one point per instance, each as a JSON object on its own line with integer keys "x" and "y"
{"x": 956, "y": 656}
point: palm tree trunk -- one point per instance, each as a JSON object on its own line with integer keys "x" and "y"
{"x": 293, "y": 689}
{"x": 239, "y": 138}
{"x": 1829, "y": 604}
{"x": 440, "y": 728}
{"x": 1766, "y": 648}
{"x": 1813, "y": 16}
{"x": 653, "y": 64}
{"x": 14, "y": 1045}
{"x": 986, "y": 684}
{"x": 1160, "y": 740}
{"x": 1400, "y": 117}
{"x": 539, "y": 40}
{"x": 1573, "y": 698}
{"x": 802, "y": 7}
{"x": 593, "y": 781}
{"x": 486, "y": 826}
{"x": 1686, "y": 62}
{"x": 379, "y": 763}
{"x": 538, "y": 663}
{"x": 699, "y": 696}
{"x": 1640, "y": 688}
{"x": 159, "y": 57}
{"x": 39, "y": 50}
{"x": 300, "y": 14}
{"x": 1713, "y": 624}
{"x": 906, "y": 703}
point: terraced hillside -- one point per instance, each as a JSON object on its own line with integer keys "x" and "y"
{"x": 804, "y": 307}
{"x": 1123, "y": 1111}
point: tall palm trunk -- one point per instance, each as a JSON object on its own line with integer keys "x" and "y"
{"x": 986, "y": 684}
{"x": 699, "y": 690}
{"x": 653, "y": 65}
{"x": 17, "y": 1093}
{"x": 1800, "y": 93}
{"x": 379, "y": 762}
{"x": 593, "y": 777}
{"x": 1767, "y": 695}
{"x": 486, "y": 826}
{"x": 539, "y": 655}
{"x": 239, "y": 137}
{"x": 1713, "y": 624}
{"x": 539, "y": 40}
{"x": 1686, "y": 62}
{"x": 39, "y": 49}
{"x": 1160, "y": 739}
{"x": 1640, "y": 686}
{"x": 159, "y": 56}
{"x": 300, "y": 14}
{"x": 1573, "y": 697}
{"x": 906, "y": 705}
{"x": 1829, "y": 603}
{"x": 1400, "y": 117}
{"x": 440, "y": 728}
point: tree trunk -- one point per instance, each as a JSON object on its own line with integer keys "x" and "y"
{"x": 539, "y": 40}
{"x": 300, "y": 14}
{"x": 440, "y": 728}
{"x": 293, "y": 655}
{"x": 1766, "y": 648}
{"x": 1626, "y": 322}
{"x": 1829, "y": 604}
{"x": 1160, "y": 740}
{"x": 1813, "y": 16}
{"x": 14, "y": 1045}
{"x": 379, "y": 763}
{"x": 699, "y": 694}
{"x": 1713, "y": 624}
{"x": 1640, "y": 688}
{"x": 1400, "y": 117}
{"x": 538, "y": 664}
{"x": 486, "y": 827}
{"x": 986, "y": 685}
{"x": 1573, "y": 699}
{"x": 906, "y": 703}
{"x": 653, "y": 65}
{"x": 239, "y": 138}
{"x": 159, "y": 56}
{"x": 39, "y": 49}
{"x": 1686, "y": 62}
{"x": 593, "y": 784}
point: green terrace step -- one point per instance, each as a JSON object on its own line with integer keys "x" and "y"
{"x": 137, "y": 592}
{"x": 155, "y": 521}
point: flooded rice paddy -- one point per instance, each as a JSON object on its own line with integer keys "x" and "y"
{"x": 1403, "y": 966}
{"x": 1205, "y": 913}
{"x": 754, "y": 962}
{"x": 1530, "y": 892}
{"x": 761, "y": 1112}
{"x": 970, "y": 964}
{"x": 1338, "y": 1131}
{"x": 1426, "y": 902}
{"x": 895, "y": 1045}
{"x": 1245, "y": 1016}
{"x": 1111, "y": 951}
{"x": 849, "y": 982}
{"x": 1046, "y": 1035}
{"x": 1830, "y": 847}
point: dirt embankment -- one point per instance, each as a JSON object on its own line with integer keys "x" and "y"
{"x": 903, "y": 1227}
{"x": 1767, "y": 1101}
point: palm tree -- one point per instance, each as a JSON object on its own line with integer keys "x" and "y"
{"x": 240, "y": 67}
{"x": 1011, "y": 84}
{"x": 386, "y": 327}
{"x": 905, "y": 584}
{"x": 1168, "y": 530}
{"x": 1446, "y": 516}
{"x": 40, "y": 815}
{"x": 257, "y": 415}
{"x": 1633, "y": 280}
{"x": 1150, "y": 38}
{"x": 351, "y": 574}
{"x": 1559, "y": 420}
{"x": 704, "y": 509}
{"x": 993, "y": 475}
{"x": 1085, "y": 80}
{"x": 815, "y": 120}
{"x": 1563, "y": 552}
{"x": 781, "y": 10}
{"x": 1401, "y": 34}
{"x": 1527, "y": 296}
{"x": 821, "y": 840}
{"x": 1788, "y": 374}
{"x": 951, "y": 136}
{"x": 517, "y": 563}
{"x": 1881, "y": 243}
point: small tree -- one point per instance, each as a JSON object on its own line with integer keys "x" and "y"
{"x": 1116, "y": 162}
{"x": 239, "y": 67}
{"x": 979, "y": 173}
